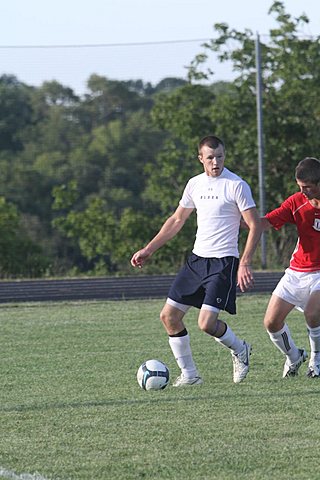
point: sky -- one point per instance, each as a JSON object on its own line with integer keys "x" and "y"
{"x": 68, "y": 40}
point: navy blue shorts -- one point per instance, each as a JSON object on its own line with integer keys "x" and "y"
{"x": 212, "y": 281}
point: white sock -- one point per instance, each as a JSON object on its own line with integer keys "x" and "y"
{"x": 284, "y": 342}
{"x": 181, "y": 350}
{"x": 231, "y": 341}
{"x": 314, "y": 339}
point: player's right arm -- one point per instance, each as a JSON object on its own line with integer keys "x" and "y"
{"x": 168, "y": 230}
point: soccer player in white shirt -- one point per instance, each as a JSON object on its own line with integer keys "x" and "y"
{"x": 209, "y": 278}
{"x": 300, "y": 286}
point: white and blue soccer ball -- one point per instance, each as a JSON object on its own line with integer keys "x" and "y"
{"x": 153, "y": 375}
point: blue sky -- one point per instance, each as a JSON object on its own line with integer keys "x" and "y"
{"x": 118, "y": 22}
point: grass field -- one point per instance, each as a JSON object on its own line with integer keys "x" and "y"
{"x": 71, "y": 408}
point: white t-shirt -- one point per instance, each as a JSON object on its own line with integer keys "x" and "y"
{"x": 219, "y": 202}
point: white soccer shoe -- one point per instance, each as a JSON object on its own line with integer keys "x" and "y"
{"x": 313, "y": 370}
{"x": 241, "y": 363}
{"x": 291, "y": 369}
{"x": 183, "y": 381}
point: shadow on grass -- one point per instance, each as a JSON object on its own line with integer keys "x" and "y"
{"x": 155, "y": 400}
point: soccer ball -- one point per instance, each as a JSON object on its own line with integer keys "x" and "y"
{"x": 153, "y": 375}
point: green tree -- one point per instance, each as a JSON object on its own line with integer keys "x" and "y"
{"x": 291, "y": 86}
{"x": 15, "y": 112}
{"x": 91, "y": 230}
{"x": 109, "y": 100}
{"x": 19, "y": 255}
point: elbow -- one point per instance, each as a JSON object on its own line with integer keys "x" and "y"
{"x": 256, "y": 229}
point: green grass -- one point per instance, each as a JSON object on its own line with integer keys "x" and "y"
{"x": 71, "y": 408}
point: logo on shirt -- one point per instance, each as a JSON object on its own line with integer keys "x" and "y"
{"x": 316, "y": 224}
{"x": 209, "y": 197}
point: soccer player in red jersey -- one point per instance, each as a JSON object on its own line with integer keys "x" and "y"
{"x": 300, "y": 286}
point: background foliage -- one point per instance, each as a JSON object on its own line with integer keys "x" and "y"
{"x": 88, "y": 180}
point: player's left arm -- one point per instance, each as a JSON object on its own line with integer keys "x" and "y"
{"x": 265, "y": 224}
{"x": 245, "y": 272}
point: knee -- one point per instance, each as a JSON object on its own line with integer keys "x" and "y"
{"x": 267, "y": 323}
{"x": 172, "y": 320}
{"x": 163, "y": 317}
{"x": 272, "y": 325}
{"x": 167, "y": 317}
{"x": 208, "y": 325}
{"x": 203, "y": 324}
{"x": 312, "y": 317}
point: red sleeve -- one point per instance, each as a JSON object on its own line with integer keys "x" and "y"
{"x": 284, "y": 214}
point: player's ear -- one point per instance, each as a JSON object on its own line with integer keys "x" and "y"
{"x": 200, "y": 158}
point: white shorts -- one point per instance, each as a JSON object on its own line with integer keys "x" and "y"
{"x": 296, "y": 287}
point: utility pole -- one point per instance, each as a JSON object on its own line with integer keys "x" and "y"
{"x": 260, "y": 148}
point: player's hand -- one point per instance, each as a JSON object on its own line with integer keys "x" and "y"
{"x": 140, "y": 257}
{"x": 245, "y": 277}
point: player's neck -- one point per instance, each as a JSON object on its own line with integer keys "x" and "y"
{"x": 315, "y": 202}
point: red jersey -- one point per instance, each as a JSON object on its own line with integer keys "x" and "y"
{"x": 298, "y": 210}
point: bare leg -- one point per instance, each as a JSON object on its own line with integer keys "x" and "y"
{"x": 209, "y": 323}
{"x": 240, "y": 351}
{"x": 172, "y": 319}
{"x": 312, "y": 310}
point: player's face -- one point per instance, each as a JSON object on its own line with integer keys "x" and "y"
{"x": 310, "y": 190}
{"x": 212, "y": 160}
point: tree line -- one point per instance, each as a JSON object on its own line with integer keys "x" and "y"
{"x": 87, "y": 180}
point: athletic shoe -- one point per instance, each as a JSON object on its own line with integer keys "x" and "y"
{"x": 183, "y": 381}
{"x": 291, "y": 369}
{"x": 313, "y": 370}
{"x": 241, "y": 363}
